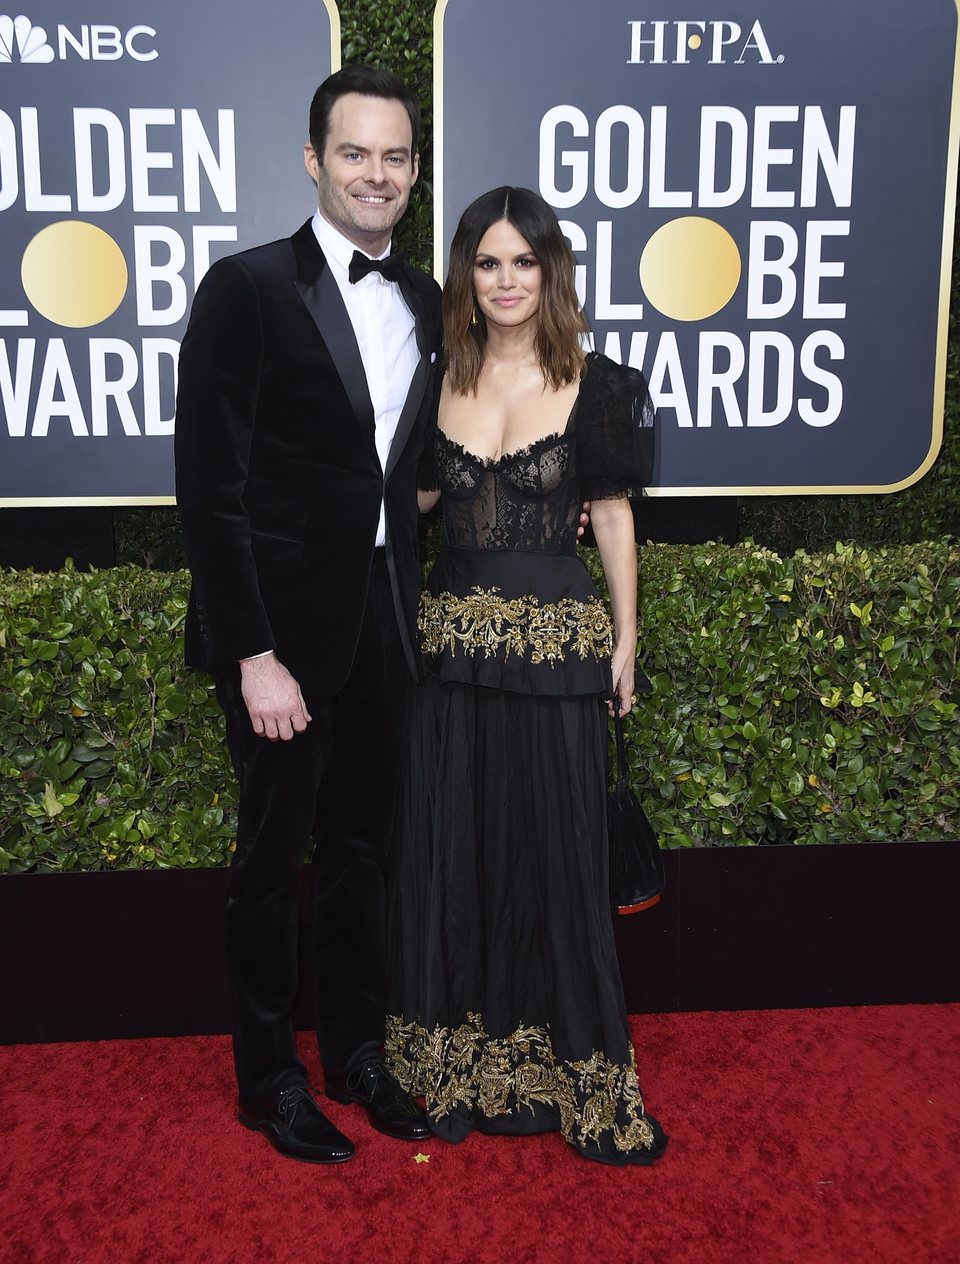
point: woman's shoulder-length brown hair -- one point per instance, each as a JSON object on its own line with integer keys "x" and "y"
{"x": 562, "y": 321}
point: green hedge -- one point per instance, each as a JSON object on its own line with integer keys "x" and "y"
{"x": 809, "y": 699}
{"x": 111, "y": 753}
{"x": 804, "y": 699}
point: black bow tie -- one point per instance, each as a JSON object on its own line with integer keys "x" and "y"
{"x": 388, "y": 268}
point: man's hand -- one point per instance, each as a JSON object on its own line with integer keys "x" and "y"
{"x": 584, "y": 519}
{"x": 274, "y": 701}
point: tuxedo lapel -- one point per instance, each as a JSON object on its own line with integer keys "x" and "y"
{"x": 321, "y": 295}
{"x": 418, "y": 384}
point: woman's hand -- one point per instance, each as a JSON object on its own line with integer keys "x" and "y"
{"x": 624, "y": 659}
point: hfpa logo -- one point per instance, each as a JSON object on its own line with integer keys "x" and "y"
{"x": 21, "y": 41}
{"x": 662, "y": 43}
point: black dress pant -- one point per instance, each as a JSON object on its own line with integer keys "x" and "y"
{"x": 336, "y": 782}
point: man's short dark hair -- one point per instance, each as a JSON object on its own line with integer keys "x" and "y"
{"x": 368, "y": 81}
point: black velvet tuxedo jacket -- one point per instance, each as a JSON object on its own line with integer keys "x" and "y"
{"x": 278, "y": 480}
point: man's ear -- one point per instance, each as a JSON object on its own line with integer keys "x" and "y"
{"x": 311, "y": 162}
{"x": 416, "y": 168}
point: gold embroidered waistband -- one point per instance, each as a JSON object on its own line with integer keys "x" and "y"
{"x": 485, "y": 622}
{"x": 464, "y": 1067}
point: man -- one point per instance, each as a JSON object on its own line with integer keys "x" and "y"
{"x": 303, "y": 395}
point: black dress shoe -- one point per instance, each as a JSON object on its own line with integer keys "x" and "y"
{"x": 294, "y": 1124}
{"x": 389, "y": 1108}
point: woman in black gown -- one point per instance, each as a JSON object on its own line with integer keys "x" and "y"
{"x": 507, "y": 1008}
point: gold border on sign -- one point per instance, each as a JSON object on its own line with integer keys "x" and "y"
{"x": 77, "y": 502}
{"x": 946, "y": 264}
{"x": 333, "y": 13}
{"x": 438, "y": 13}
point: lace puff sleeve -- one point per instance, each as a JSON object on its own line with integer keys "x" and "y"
{"x": 616, "y": 431}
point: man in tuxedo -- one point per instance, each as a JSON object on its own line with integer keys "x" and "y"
{"x": 304, "y": 377}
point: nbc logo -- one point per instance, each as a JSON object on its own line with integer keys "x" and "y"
{"x": 30, "y": 41}
{"x": 21, "y": 41}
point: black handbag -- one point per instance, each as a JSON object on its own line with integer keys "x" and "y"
{"x": 637, "y": 877}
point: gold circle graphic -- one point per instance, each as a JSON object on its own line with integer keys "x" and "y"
{"x": 694, "y": 41}
{"x": 690, "y": 268}
{"x": 74, "y": 274}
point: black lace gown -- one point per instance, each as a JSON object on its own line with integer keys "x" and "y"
{"x": 507, "y": 1010}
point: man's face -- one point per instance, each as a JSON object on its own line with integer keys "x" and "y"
{"x": 367, "y": 170}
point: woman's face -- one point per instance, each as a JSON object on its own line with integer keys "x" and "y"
{"x": 507, "y": 278}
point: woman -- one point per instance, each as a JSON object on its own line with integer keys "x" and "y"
{"x": 508, "y": 1011}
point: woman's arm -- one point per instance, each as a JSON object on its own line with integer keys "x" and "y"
{"x": 427, "y": 500}
{"x": 613, "y": 528}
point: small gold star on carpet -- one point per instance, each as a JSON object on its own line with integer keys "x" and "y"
{"x": 421, "y": 1158}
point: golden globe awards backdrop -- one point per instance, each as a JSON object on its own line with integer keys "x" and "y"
{"x": 760, "y": 199}
{"x": 139, "y": 141}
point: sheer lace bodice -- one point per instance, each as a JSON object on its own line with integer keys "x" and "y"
{"x": 529, "y": 500}
{"x": 522, "y": 500}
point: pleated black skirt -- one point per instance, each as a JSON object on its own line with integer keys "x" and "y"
{"x": 507, "y": 1010}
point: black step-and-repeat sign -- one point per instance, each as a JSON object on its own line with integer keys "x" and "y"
{"x": 760, "y": 199}
{"x": 139, "y": 141}
{"x": 760, "y": 202}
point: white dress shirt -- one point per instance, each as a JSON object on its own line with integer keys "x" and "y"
{"x": 384, "y": 329}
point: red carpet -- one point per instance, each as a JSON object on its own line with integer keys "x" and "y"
{"x": 815, "y": 1135}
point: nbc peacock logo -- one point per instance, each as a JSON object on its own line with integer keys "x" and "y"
{"x": 21, "y": 41}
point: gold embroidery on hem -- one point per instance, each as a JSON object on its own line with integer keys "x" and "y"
{"x": 464, "y": 1066}
{"x": 484, "y": 621}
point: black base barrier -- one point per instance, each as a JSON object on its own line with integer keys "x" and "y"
{"x": 93, "y": 956}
